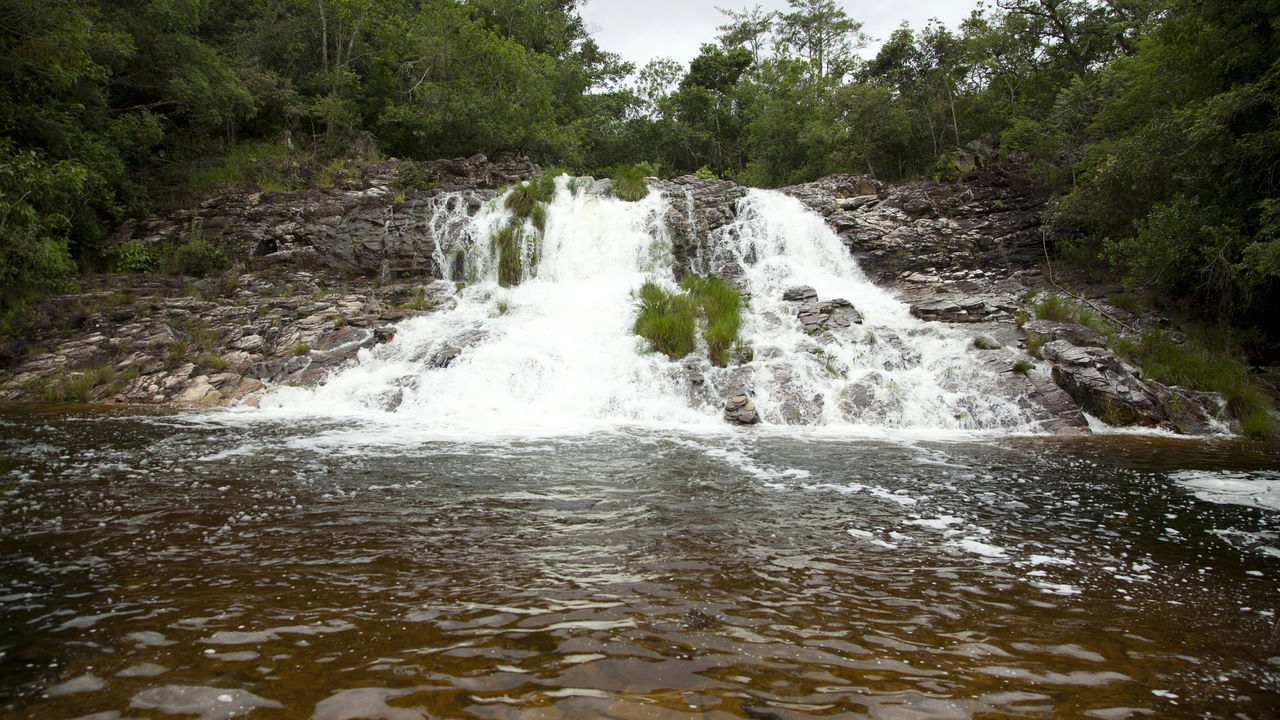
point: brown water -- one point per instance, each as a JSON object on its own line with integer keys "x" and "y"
{"x": 183, "y": 567}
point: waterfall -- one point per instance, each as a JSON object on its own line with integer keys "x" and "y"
{"x": 555, "y": 353}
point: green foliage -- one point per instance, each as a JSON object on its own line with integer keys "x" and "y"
{"x": 198, "y": 256}
{"x": 301, "y": 348}
{"x": 721, "y": 309}
{"x": 212, "y": 360}
{"x": 78, "y": 385}
{"x": 1023, "y": 367}
{"x": 1056, "y": 307}
{"x": 506, "y": 246}
{"x": 705, "y": 173}
{"x": 411, "y": 175}
{"x": 982, "y": 342}
{"x": 265, "y": 166}
{"x": 629, "y": 183}
{"x": 1202, "y": 362}
{"x": 667, "y": 320}
{"x": 1035, "y": 344}
{"x": 525, "y": 197}
{"x": 135, "y": 257}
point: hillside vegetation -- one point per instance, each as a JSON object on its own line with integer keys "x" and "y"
{"x": 1154, "y": 121}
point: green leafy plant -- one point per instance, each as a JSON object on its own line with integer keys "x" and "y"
{"x": 135, "y": 257}
{"x": 506, "y": 245}
{"x": 1023, "y": 366}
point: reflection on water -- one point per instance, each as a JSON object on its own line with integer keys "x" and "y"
{"x": 173, "y": 567}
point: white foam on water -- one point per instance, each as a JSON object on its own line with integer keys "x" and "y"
{"x": 1259, "y": 489}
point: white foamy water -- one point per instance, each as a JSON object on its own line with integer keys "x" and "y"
{"x": 556, "y": 355}
{"x": 1259, "y": 489}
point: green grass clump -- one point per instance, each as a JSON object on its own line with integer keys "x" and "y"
{"x": 212, "y": 360}
{"x": 1023, "y": 367}
{"x": 77, "y": 386}
{"x": 301, "y": 348}
{"x": 538, "y": 216}
{"x": 982, "y": 342}
{"x": 270, "y": 167}
{"x": 629, "y": 184}
{"x": 721, "y": 307}
{"x": 506, "y": 245}
{"x": 667, "y": 320}
{"x": 526, "y": 196}
{"x": 1199, "y": 363}
{"x": 1035, "y": 344}
{"x": 1056, "y": 307}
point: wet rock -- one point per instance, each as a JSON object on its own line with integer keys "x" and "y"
{"x": 828, "y": 315}
{"x": 964, "y": 310}
{"x": 445, "y": 357}
{"x": 801, "y": 293}
{"x": 1103, "y": 385}
{"x": 739, "y": 410}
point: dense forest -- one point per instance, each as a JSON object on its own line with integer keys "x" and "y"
{"x": 1156, "y": 123}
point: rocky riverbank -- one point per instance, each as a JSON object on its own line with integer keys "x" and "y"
{"x": 317, "y": 275}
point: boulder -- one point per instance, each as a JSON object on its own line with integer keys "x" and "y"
{"x": 1103, "y": 385}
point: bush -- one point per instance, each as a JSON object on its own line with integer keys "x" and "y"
{"x": 1023, "y": 367}
{"x": 135, "y": 257}
{"x": 1035, "y": 344}
{"x": 629, "y": 183}
{"x": 982, "y": 342}
{"x": 666, "y": 319}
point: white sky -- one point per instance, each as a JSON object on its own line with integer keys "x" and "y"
{"x": 641, "y": 31}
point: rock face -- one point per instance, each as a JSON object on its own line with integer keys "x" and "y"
{"x": 363, "y": 226}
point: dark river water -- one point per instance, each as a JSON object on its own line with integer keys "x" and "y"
{"x": 190, "y": 567}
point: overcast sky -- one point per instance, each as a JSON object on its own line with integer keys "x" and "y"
{"x": 641, "y": 31}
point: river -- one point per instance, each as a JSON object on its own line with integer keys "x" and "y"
{"x": 216, "y": 567}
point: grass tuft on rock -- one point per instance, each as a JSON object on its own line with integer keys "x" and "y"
{"x": 506, "y": 245}
{"x": 668, "y": 320}
{"x": 629, "y": 183}
{"x": 1199, "y": 363}
{"x": 1056, "y": 307}
{"x": 721, "y": 307}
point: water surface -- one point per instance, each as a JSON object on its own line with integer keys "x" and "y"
{"x": 183, "y": 566}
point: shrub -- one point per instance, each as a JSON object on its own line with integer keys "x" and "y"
{"x": 666, "y": 319}
{"x": 1023, "y": 366}
{"x": 135, "y": 256}
{"x": 705, "y": 173}
{"x": 1056, "y": 307}
{"x": 982, "y": 342}
{"x": 301, "y": 348}
{"x": 629, "y": 183}
{"x": 412, "y": 175}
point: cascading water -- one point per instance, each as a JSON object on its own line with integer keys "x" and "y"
{"x": 556, "y": 353}
{"x": 889, "y": 370}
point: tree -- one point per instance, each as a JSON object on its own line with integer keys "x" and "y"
{"x": 821, "y": 33}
